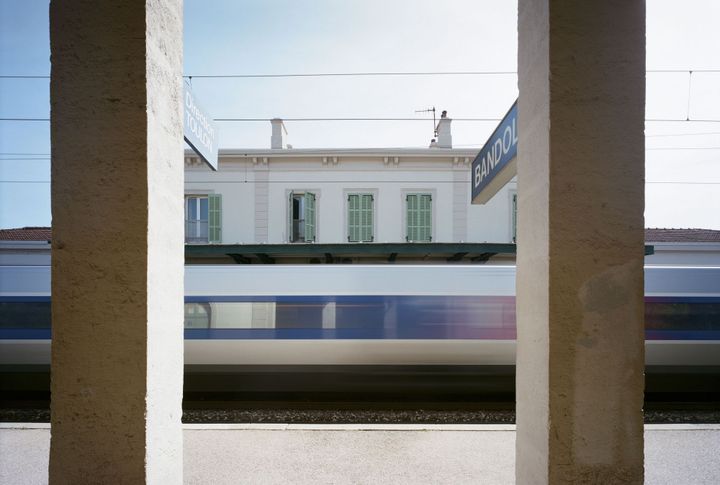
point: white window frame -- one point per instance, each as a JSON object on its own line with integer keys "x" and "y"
{"x": 196, "y": 239}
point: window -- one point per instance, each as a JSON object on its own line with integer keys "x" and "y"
{"x": 419, "y": 217}
{"x": 302, "y": 226}
{"x": 203, "y": 219}
{"x": 360, "y": 218}
{"x": 197, "y": 315}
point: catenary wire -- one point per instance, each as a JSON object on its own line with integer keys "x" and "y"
{"x": 658, "y": 135}
{"x": 650, "y": 120}
{"x": 357, "y": 181}
{"x": 361, "y": 74}
{"x": 46, "y": 158}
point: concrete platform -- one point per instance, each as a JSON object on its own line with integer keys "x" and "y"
{"x": 360, "y": 454}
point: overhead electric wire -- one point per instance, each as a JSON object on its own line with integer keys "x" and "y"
{"x": 351, "y": 74}
{"x": 361, "y": 74}
{"x": 679, "y": 120}
{"x": 681, "y": 71}
{"x": 650, "y": 120}
{"x": 682, "y": 183}
{"x": 47, "y": 158}
{"x": 24, "y": 153}
{"x": 356, "y": 181}
{"x": 24, "y": 159}
{"x": 23, "y": 76}
{"x": 348, "y": 119}
{"x": 300, "y": 119}
{"x": 24, "y": 119}
{"x": 656, "y": 135}
{"x": 683, "y": 134}
{"x": 683, "y": 148}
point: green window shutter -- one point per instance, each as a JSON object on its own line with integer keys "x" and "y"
{"x": 360, "y": 218}
{"x": 353, "y": 218}
{"x": 425, "y": 217}
{"x": 514, "y": 217}
{"x": 215, "y": 218}
{"x": 411, "y": 202}
{"x": 366, "y": 217}
{"x": 309, "y": 217}
{"x": 419, "y": 217}
{"x": 290, "y": 219}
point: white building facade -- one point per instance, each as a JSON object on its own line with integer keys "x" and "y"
{"x": 338, "y": 196}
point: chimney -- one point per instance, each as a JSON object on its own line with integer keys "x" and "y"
{"x": 444, "y": 136}
{"x": 276, "y": 140}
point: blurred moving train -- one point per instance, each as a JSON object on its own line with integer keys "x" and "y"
{"x": 459, "y": 315}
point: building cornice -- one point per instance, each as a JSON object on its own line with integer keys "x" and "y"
{"x": 344, "y": 152}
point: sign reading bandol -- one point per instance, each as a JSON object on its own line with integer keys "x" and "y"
{"x": 495, "y": 165}
{"x": 199, "y": 129}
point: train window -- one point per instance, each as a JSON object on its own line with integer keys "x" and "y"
{"x": 299, "y": 314}
{"x": 197, "y": 315}
{"x": 365, "y": 313}
{"x": 25, "y": 314}
{"x": 681, "y": 314}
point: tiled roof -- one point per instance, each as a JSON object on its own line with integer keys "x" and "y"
{"x": 26, "y": 234}
{"x": 651, "y": 235}
{"x": 681, "y": 235}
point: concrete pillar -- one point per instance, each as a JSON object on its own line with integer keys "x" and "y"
{"x": 117, "y": 249}
{"x": 580, "y": 242}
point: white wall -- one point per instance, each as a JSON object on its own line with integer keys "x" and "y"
{"x": 331, "y": 182}
{"x": 492, "y": 222}
{"x": 238, "y": 196}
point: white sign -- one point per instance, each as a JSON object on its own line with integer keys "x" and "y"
{"x": 199, "y": 129}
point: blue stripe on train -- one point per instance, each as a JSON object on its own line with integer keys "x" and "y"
{"x": 424, "y": 331}
{"x": 332, "y": 298}
{"x": 375, "y": 298}
{"x": 340, "y": 334}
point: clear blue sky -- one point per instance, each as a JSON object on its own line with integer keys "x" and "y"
{"x": 302, "y": 36}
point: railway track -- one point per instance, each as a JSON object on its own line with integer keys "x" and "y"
{"x": 369, "y": 394}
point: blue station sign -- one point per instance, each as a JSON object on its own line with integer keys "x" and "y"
{"x": 495, "y": 165}
{"x": 199, "y": 129}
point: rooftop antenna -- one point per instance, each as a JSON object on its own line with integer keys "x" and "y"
{"x": 435, "y": 133}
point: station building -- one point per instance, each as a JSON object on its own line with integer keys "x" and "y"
{"x": 337, "y": 196}
{"x": 353, "y": 205}
{"x": 367, "y": 205}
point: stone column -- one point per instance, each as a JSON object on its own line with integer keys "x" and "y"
{"x": 117, "y": 249}
{"x": 580, "y": 242}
